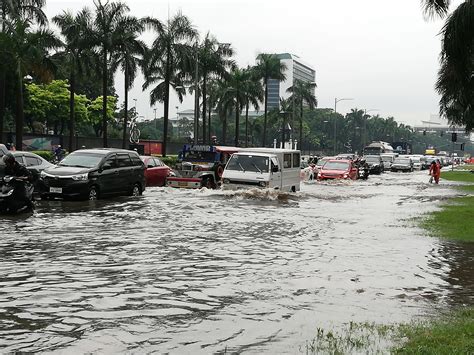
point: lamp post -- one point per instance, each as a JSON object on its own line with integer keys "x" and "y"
{"x": 156, "y": 124}
{"x": 336, "y": 100}
{"x": 364, "y": 138}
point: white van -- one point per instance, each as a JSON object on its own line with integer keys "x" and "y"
{"x": 272, "y": 168}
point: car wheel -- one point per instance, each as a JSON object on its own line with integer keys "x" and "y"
{"x": 93, "y": 193}
{"x": 207, "y": 183}
{"x": 136, "y": 190}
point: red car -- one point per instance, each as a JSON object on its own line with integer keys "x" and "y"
{"x": 156, "y": 171}
{"x": 338, "y": 169}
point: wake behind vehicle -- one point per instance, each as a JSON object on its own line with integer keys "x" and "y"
{"x": 94, "y": 173}
{"x": 10, "y": 203}
{"x": 273, "y": 168}
{"x": 200, "y": 166}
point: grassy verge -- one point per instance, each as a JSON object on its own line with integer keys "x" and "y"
{"x": 451, "y": 334}
{"x": 461, "y": 176}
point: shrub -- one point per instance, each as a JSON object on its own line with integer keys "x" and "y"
{"x": 45, "y": 154}
{"x": 170, "y": 160}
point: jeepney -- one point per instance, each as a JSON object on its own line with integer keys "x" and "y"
{"x": 200, "y": 166}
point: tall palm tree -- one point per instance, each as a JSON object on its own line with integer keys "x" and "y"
{"x": 269, "y": 66}
{"x": 455, "y": 81}
{"x": 214, "y": 59}
{"x": 253, "y": 92}
{"x": 13, "y": 10}
{"x": 129, "y": 57}
{"x": 106, "y": 30}
{"x": 28, "y": 51}
{"x": 167, "y": 61}
{"x": 75, "y": 31}
{"x": 302, "y": 93}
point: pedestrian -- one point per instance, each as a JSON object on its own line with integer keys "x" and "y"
{"x": 435, "y": 171}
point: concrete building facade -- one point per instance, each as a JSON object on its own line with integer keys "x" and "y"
{"x": 297, "y": 69}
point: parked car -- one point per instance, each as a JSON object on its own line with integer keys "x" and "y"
{"x": 375, "y": 163}
{"x": 35, "y": 164}
{"x": 95, "y": 173}
{"x": 307, "y": 171}
{"x": 156, "y": 171}
{"x": 402, "y": 164}
{"x": 338, "y": 169}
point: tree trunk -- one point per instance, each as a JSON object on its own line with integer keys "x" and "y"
{"x": 72, "y": 120}
{"x": 265, "y": 117}
{"x": 2, "y": 101}
{"x": 104, "y": 97}
{"x": 224, "y": 129}
{"x": 125, "y": 117}
{"x": 301, "y": 126}
{"x": 247, "y": 124}
{"x": 19, "y": 110}
{"x": 166, "y": 104}
{"x": 204, "y": 89}
{"x": 209, "y": 122}
{"x": 237, "y": 122}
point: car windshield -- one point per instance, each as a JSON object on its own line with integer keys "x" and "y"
{"x": 199, "y": 156}
{"x": 336, "y": 165}
{"x": 252, "y": 163}
{"x": 372, "y": 159}
{"x": 82, "y": 160}
{"x": 402, "y": 161}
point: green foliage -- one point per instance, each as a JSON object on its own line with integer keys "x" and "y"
{"x": 170, "y": 160}
{"x": 45, "y": 154}
{"x": 95, "y": 113}
{"x": 451, "y": 334}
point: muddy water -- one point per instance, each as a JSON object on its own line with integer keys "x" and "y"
{"x": 207, "y": 271}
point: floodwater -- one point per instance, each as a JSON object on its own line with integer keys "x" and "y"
{"x": 179, "y": 271}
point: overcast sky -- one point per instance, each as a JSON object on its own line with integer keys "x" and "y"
{"x": 382, "y": 53}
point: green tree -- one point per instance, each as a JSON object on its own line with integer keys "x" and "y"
{"x": 167, "y": 60}
{"x": 455, "y": 81}
{"x": 129, "y": 58}
{"x": 302, "y": 93}
{"x": 253, "y": 92}
{"x": 106, "y": 32}
{"x": 268, "y": 67}
{"x": 95, "y": 113}
{"x": 75, "y": 49}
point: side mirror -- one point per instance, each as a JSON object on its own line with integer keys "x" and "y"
{"x": 275, "y": 169}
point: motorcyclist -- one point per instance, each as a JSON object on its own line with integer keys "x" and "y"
{"x": 22, "y": 175}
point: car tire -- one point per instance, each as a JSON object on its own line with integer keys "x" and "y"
{"x": 93, "y": 193}
{"x": 136, "y": 190}
{"x": 207, "y": 183}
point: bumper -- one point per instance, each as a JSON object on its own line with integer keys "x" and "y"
{"x": 184, "y": 183}
{"x": 69, "y": 189}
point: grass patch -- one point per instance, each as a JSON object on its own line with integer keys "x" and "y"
{"x": 454, "y": 220}
{"x": 451, "y": 334}
{"x": 464, "y": 176}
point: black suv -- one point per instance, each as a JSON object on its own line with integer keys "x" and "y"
{"x": 93, "y": 173}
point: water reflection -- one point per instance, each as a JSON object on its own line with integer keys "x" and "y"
{"x": 215, "y": 271}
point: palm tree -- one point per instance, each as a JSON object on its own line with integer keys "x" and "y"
{"x": 28, "y": 51}
{"x": 167, "y": 62}
{"x": 129, "y": 57}
{"x": 302, "y": 92}
{"x": 106, "y": 30}
{"x": 253, "y": 92}
{"x": 12, "y": 10}
{"x": 214, "y": 60}
{"x": 269, "y": 66}
{"x": 75, "y": 30}
{"x": 455, "y": 79}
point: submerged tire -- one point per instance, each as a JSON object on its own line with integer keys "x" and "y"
{"x": 93, "y": 193}
{"x": 136, "y": 190}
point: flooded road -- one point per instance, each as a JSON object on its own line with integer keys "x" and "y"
{"x": 180, "y": 271}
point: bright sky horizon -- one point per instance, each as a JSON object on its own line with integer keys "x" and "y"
{"x": 384, "y": 55}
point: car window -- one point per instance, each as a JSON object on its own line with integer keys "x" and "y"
{"x": 136, "y": 161}
{"x": 32, "y": 161}
{"x": 151, "y": 163}
{"x": 110, "y": 163}
{"x": 286, "y": 160}
{"x": 159, "y": 162}
{"x": 19, "y": 159}
{"x": 123, "y": 160}
{"x": 296, "y": 160}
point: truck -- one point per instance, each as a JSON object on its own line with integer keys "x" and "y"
{"x": 200, "y": 166}
{"x": 272, "y": 168}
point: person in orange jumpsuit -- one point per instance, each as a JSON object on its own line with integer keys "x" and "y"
{"x": 435, "y": 170}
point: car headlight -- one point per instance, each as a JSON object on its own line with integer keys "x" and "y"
{"x": 346, "y": 175}
{"x": 43, "y": 174}
{"x": 80, "y": 177}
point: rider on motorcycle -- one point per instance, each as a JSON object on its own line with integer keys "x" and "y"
{"x": 13, "y": 168}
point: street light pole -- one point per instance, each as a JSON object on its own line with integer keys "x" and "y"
{"x": 156, "y": 124}
{"x": 336, "y": 100}
{"x": 196, "y": 98}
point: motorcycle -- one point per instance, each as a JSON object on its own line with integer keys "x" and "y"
{"x": 12, "y": 200}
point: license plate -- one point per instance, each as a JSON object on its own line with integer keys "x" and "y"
{"x": 182, "y": 184}
{"x": 56, "y": 190}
